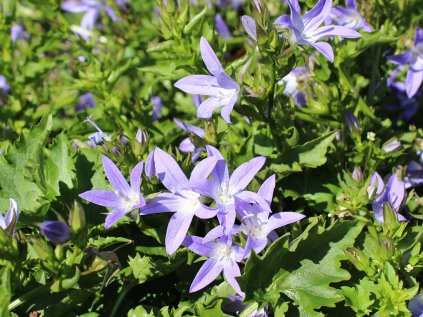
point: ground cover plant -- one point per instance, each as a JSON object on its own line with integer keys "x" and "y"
{"x": 211, "y": 158}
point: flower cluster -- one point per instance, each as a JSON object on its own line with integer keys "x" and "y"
{"x": 239, "y": 211}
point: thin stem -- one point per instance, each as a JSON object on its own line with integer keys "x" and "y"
{"x": 26, "y": 297}
{"x": 122, "y": 295}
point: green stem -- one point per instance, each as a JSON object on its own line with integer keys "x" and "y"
{"x": 121, "y": 297}
{"x": 26, "y": 297}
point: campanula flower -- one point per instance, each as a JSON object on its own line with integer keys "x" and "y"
{"x": 186, "y": 145}
{"x": 57, "y": 232}
{"x": 98, "y": 137}
{"x": 181, "y": 198}
{"x": 123, "y": 198}
{"x": 157, "y": 107}
{"x": 393, "y": 194}
{"x": 9, "y": 221}
{"x": 295, "y": 85}
{"x": 414, "y": 175}
{"x": 85, "y": 101}
{"x": 221, "y": 27}
{"x": 17, "y": 32}
{"x": 92, "y": 10}
{"x": 349, "y": 17}
{"x": 416, "y": 306}
{"x": 221, "y": 88}
{"x": 224, "y": 188}
{"x": 352, "y": 122}
{"x": 414, "y": 59}
{"x": 306, "y": 30}
{"x": 4, "y": 87}
{"x": 258, "y": 224}
{"x": 250, "y": 26}
{"x": 222, "y": 256}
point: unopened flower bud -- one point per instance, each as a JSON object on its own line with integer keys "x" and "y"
{"x": 352, "y": 122}
{"x": 357, "y": 174}
{"x": 391, "y": 146}
{"x": 371, "y": 136}
{"x": 56, "y": 231}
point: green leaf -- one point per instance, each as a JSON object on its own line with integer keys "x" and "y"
{"x": 5, "y": 294}
{"x": 59, "y": 166}
{"x": 310, "y": 154}
{"x": 22, "y": 168}
{"x": 305, "y": 272}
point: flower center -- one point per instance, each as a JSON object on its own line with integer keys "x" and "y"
{"x": 193, "y": 198}
{"x": 128, "y": 201}
{"x": 254, "y": 227}
{"x": 225, "y": 197}
{"x": 223, "y": 254}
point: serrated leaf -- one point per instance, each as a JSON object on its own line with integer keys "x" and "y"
{"x": 59, "y": 166}
{"x": 306, "y": 274}
{"x": 22, "y": 168}
{"x": 310, "y": 154}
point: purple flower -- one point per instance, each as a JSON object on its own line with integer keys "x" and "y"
{"x": 186, "y": 145}
{"x": 391, "y": 146}
{"x": 17, "y": 32}
{"x": 236, "y": 307}
{"x": 352, "y": 122}
{"x": 157, "y": 107}
{"x": 182, "y": 199}
{"x": 393, "y": 194}
{"x": 56, "y": 231}
{"x": 293, "y": 85}
{"x": 221, "y": 27}
{"x": 221, "y": 88}
{"x": 141, "y": 137}
{"x": 306, "y": 31}
{"x": 124, "y": 198}
{"x": 8, "y": 223}
{"x": 224, "y": 188}
{"x": 407, "y": 106}
{"x": 4, "y": 87}
{"x": 250, "y": 26}
{"x": 416, "y": 306}
{"x": 413, "y": 58}
{"x": 414, "y": 175}
{"x": 349, "y": 17}
{"x": 98, "y": 137}
{"x": 255, "y": 222}
{"x": 92, "y": 10}
{"x": 85, "y": 101}
{"x": 222, "y": 256}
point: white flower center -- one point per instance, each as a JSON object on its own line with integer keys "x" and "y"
{"x": 128, "y": 201}
{"x": 225, "y": 197}
{"x": 254, "y": 227}
{"x": 192, "y": 197}
{"x": 223, "y": 254}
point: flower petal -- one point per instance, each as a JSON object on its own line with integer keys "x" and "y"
{"x": 284, "y": 21}
{"x": 210, "y": 58}
{"x": 351, "y": 4}
{"x": 243, "y": 175}
{"x": 395, "y": 192}
{"x": 168, "y": 171}
{"x": 205, "y": 110}
{"x": 207, "y": 274}
{"x": 413, "y": 82}
{"x": 418, "y": 37}
{"x": 323, "y": 48}
{"x": 400, "y": 59}
{"x": 294, "y": 6}
{"x": 105, "y": 198}
{"x": 186, "y": 146}
{"x": 204, "y": 168}
{"x": 334, "y": 30}
{"x": 89, "y": 19}
{"x": 282, "y": 219}
{"x": 135, "y": 177}
{"x": 250, "y": 26}
{"x": 74, "y": 7}
{"x": 164, "y": 202}
{"x": 190, "y": 128}
{"x": 199, "y": 246}
{"x": 230, "y": 271}
{"x": 114, "y": 216}
{"x": 115, "y": 176}
{"x": 313, "y": 18}
{"x": 227, "y": 109}
{"x": 199, "y": 84}
{"x": 267, "y": 188}
{"x": 177, "y": 230}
